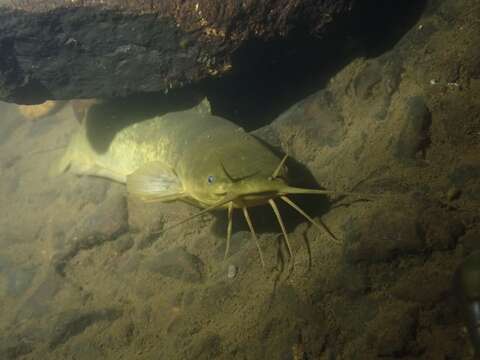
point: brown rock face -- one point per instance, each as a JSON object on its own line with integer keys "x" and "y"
{"x": 87, "y": 49}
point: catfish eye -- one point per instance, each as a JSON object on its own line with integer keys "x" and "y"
{"x": 211, "y": 179}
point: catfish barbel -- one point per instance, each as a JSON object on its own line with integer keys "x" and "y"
{"x": 192, "y": 156}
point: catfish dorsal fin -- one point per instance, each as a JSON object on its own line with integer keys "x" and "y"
{"x": 204, "y": 107}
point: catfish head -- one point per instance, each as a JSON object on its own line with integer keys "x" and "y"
{"x": 220, "y": 186}
{"x": 215, "y": 187}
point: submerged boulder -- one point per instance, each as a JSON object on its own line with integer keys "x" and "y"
{"x": 85, "y": 49}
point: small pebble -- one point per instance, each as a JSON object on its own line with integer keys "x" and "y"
{"x": 232, "y": 271}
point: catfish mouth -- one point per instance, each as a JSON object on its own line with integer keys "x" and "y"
{"x": 256, "y": 199}
{"x": 249, "y": 198}
{"x": 244, "y": 200}
{"x": 251, "y": 190}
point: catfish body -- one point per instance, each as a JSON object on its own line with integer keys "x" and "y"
{"x": 186, "y": 154}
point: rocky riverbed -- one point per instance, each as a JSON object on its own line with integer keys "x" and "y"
{"x": 84, "y": 276}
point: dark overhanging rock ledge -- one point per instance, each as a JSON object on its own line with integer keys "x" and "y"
{"x": 84, "y": 49}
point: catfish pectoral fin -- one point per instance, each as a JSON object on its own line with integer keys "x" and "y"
{"x": 155, "y": 181}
